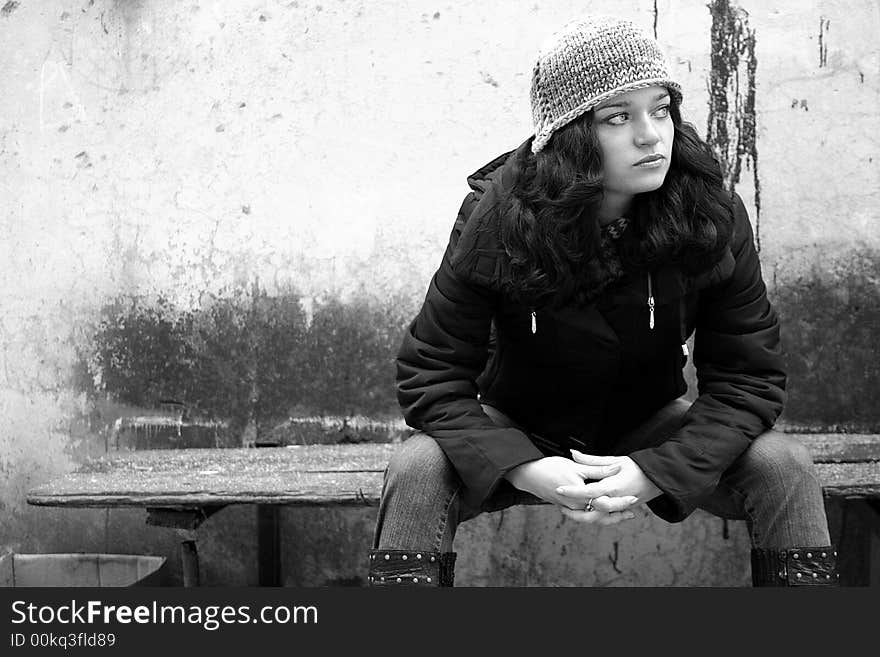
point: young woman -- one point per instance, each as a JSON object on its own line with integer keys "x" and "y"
{"x": 546, "y": 362}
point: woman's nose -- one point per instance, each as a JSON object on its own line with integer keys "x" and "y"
{"x": 646, "y": 133}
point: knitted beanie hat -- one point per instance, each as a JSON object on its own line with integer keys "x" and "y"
{"x": 587, "y": 62}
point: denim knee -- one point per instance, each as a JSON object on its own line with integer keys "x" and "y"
{"x": 780, "y": 462}
{"x": 420, "y": 465}
{"x": 418, "y": 509}
{"x": 784, "y": 498}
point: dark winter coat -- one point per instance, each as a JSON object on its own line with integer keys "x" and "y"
{"x": 584, "y": 376}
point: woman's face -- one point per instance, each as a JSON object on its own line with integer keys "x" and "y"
{"x": 635, "y": 133}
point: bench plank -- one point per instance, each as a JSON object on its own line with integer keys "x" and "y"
{"x": 334, "y": 474}
{"x": 850, "y": 480}
{"x": 186, "y": 478}
{"x": 293, "y": 488}
{"x": 244, "y": 460}
{"x": 841, "y": 447}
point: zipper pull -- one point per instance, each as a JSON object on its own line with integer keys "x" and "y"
{"x": 650, "y": 304}
{"x": 685, "y": 350}
{"x": 534, "y": 323}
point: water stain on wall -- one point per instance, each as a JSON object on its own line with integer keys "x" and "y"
{"x": 246, "y": 367}
{"x": 830, "y": 320}
{"x": 731, "y": 122}
{"x": 8, "y": 8}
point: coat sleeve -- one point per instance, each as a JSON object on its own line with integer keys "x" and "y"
{"x": 741, "y": 384}
{"x": 443, "y": 351}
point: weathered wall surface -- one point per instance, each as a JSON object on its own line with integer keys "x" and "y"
{"x": 236, "y": 206}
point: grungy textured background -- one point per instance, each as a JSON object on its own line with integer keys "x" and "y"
{"x": 227, "y": 212}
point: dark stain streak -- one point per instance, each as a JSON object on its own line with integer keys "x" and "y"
{"x": 8, "y": 8}
{"x": 83, "y": 161}
{"x": 488, "y": 79}
{"x": 732, "y": 120}
{"x": 614, "y": 557}
{"x": 655, "y": 18}
{"x": 824, "y": 24}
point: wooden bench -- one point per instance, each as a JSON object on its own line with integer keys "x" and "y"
{"x": 183, "y": 488}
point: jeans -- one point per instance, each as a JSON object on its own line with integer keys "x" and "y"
{"x": 772, "y": 486}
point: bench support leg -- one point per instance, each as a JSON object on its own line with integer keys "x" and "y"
{"x": 268, "y": 545}
{"x": 184, "y": 522}
{"x": 189, "y": 558}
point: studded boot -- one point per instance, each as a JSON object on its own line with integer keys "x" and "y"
{"x": 411, "y": 568}
{"x": 804, "y": 566}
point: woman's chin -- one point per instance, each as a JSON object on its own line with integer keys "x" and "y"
{"x": 649, "y": 184}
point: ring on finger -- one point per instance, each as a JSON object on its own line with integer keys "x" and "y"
{"x": 589, "y": 505}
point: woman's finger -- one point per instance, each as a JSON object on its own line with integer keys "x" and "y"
{"x": 615, "y": 518}
{"x": 592, "y": 459}
{"x": 598, "y": 471}
{"x": 614, "y": 504}
{"x": 589, "y": 517}
{"x": 586, "y": 491}
{"x": 596, "y": 517}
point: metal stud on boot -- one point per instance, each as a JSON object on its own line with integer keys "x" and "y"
{"x": 411, "y": 568}
{"x": 801, "y": 566}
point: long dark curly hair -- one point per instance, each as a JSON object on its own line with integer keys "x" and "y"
{"x": 550, "y": 226}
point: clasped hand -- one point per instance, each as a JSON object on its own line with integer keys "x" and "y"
{"x": 616, "y": 484}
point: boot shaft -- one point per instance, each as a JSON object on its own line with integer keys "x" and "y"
{"x": 411, "y": 568}
{"x": 800, "y": 566}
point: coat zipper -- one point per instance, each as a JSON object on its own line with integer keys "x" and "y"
{"x": 650, "y": 308}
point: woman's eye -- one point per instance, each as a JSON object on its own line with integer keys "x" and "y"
{"x": 617, "y": 119}
{"x": 662, "y": 112}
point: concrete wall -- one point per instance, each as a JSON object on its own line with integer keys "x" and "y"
{"x": 238, "y": 205}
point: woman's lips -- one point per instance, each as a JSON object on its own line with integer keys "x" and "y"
{"x": 650, "y": 161}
